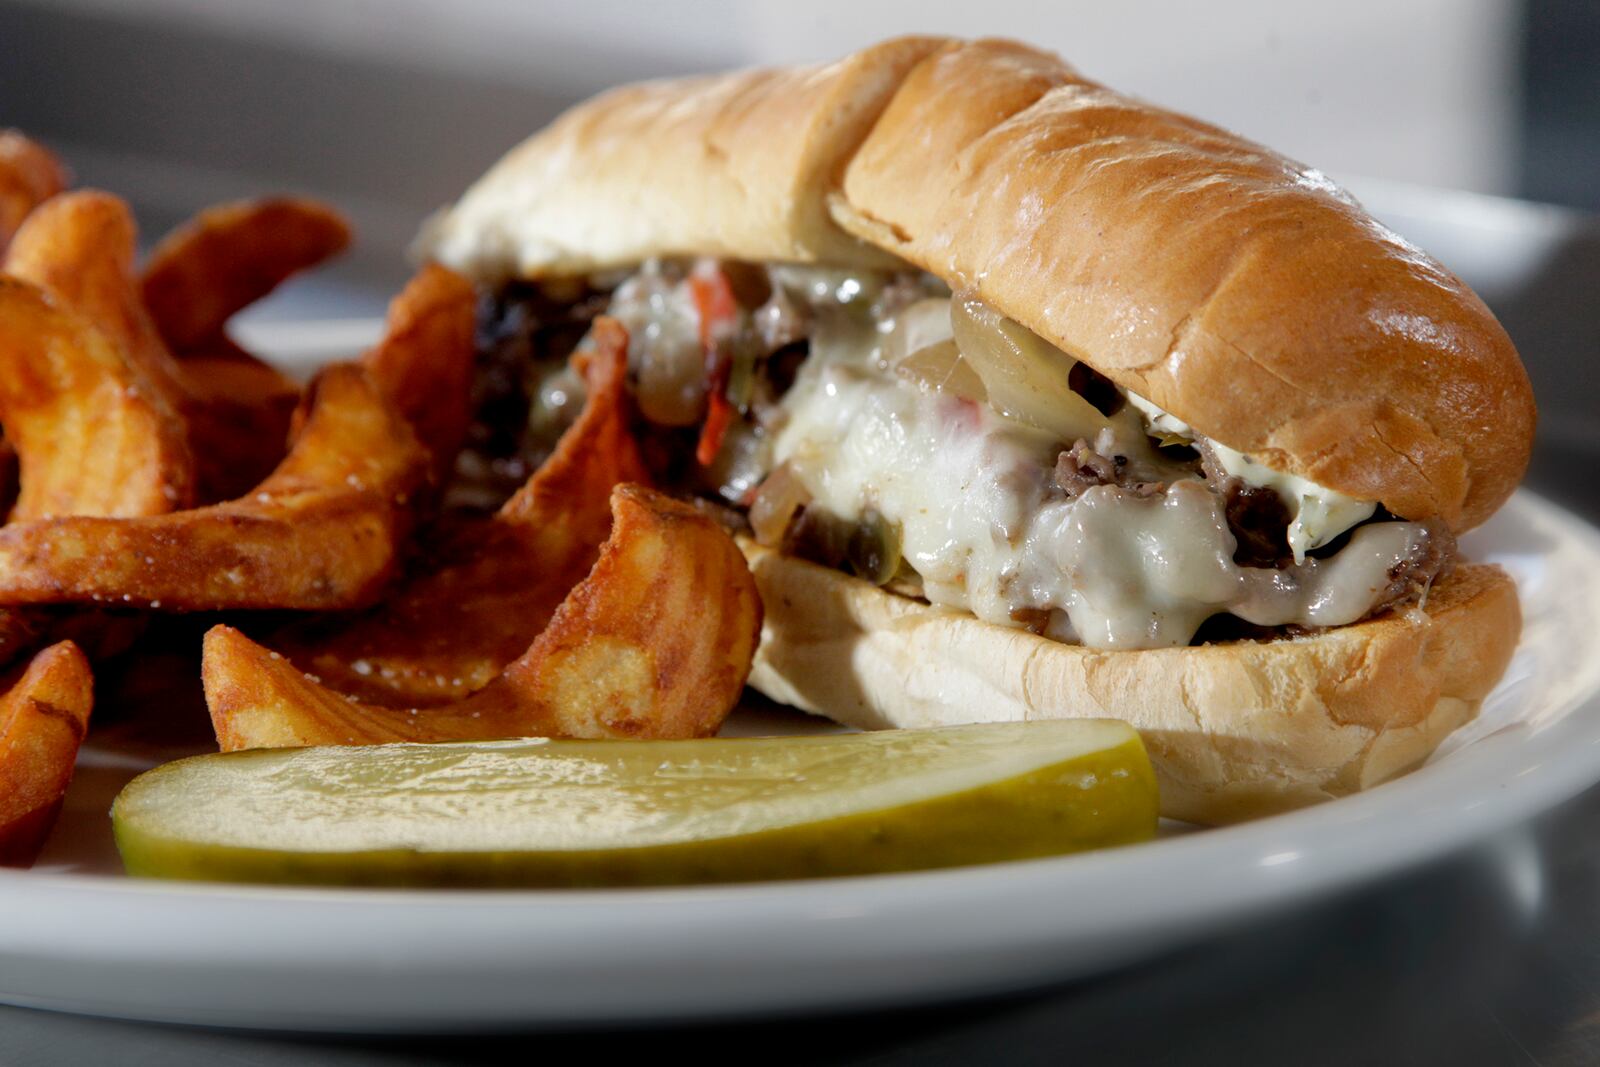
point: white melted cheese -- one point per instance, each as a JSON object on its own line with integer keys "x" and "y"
{"x": 1318, "y": 513}
{"x": 971, "y": 492}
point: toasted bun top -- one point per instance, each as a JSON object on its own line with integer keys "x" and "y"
{"x": 736, "y": 165}
{"x": 1239, "y": 290}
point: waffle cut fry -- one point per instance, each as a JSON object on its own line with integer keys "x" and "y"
{"x": 656, "y": 642}
{"x": 484, "y": 591}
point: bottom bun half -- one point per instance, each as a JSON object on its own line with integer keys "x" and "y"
{"x": 1235, "y": 731}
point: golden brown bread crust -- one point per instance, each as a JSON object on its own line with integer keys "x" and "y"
{"x": 735, "y": 165}
{"x": 1235, "y": 288}
{"x": 1235, "y": 731}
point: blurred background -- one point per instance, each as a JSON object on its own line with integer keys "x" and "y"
{"x": 389, "y": 107}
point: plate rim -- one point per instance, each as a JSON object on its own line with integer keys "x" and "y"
{"x": 1250, "y": 869}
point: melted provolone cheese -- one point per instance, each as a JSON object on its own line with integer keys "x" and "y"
{"x": 971, "y": 492}
{"x": 887, "y": 417}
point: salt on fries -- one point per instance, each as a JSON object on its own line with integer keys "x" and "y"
{"x": 30, "y": 174}
{"x": 656, "y": 642}
{"x": 43, "y": 717}
{"x": 228, "y": 257}
{"x": 322, "y": 533}
{"x": 486, "y": 589}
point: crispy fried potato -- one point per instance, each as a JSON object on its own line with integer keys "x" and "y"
{"x": 490, "y": 587}
{"x": 79, "y": 248}
{"x": 30, "y": 174}
{"x": 322, "y": 533}
{"x": 43, "y": 717}
{"x": 92, "y": 437}
{"x": 228, "y": 257}
{"x": 424, "y": 363}
{"x": 201, "y": 275}
{"x": 98, "y": 422}
{"x": 239, "y": 413}
{"x": 655, "y": 643}
{"x": 232, "y": 375}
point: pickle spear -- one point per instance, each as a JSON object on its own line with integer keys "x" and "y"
{"x": 590, "y": 813}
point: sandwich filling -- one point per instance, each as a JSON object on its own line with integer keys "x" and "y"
{"x": 877, "y": 423}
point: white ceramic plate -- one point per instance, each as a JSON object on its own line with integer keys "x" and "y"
{"x": 75, "y": 935}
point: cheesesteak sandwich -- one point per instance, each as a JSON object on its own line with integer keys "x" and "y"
{"x": 1031, "y": 400}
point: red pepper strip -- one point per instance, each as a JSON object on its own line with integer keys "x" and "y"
{"x": 718, "y": 418}
{"x": 713, "y": 301}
